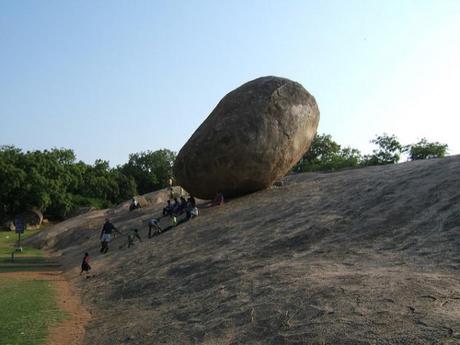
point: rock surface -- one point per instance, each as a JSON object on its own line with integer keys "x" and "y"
{"x": 254, "y": 136}
{"x": 361, "y": 256}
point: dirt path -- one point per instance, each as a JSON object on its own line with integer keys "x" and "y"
{"x": 71, "y": 331}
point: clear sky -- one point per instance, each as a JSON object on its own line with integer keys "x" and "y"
{"x": 109, "y": 78}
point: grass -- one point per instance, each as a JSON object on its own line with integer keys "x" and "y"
{"x": 28, "y": 310}
{"x": 8, "y": 241}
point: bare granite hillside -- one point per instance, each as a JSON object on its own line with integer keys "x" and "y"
{"x": 365, "y": 256}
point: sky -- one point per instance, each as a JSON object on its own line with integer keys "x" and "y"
{"x": 110, "y": 78}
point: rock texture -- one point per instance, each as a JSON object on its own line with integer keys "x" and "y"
{"x": 362, "y": 256}
{"x": 254, "y": 136}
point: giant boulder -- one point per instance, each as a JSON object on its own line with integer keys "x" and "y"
{"x": 254, "y": 136}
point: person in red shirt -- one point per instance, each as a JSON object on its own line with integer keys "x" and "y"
{"x": 85, "y": 267}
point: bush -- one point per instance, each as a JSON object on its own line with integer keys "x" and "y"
{"x": 426, "y": 150}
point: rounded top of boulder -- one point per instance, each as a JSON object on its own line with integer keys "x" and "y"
{"x": 254, "y": 136}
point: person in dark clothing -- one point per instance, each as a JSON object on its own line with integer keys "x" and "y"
{"x": 85, "y": 267}
{"x": 168, "y": 209}
{"x": 192, "y": 201}
{"x": 176, "y": 206}
{"x": 182, "y": 206}
{"x": 106, "y": 235}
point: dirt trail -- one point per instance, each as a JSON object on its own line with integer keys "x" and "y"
{"x": 71, "y": 330}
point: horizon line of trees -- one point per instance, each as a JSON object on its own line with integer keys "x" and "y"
{"x": 54, "y": 182}
{"x": 327, "y": 155}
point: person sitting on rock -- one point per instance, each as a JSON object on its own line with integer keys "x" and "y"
{"x": 194, "y": 212}
{"x": 218, "y": 200}
{"x": 176, "y": 205}
{"x": 168, "y": 209}
{"x": 154, "y": 224}
{"x": 192, "y": 201}
{"x": 134, "y": 205}
{"x": 182, "y": 206}
{"x": 132, "y": 235}
{"x": 173, "y": 220}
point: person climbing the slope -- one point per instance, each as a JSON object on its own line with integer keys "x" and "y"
{"x": 132, "y": 235}
{"x": 106, "y": 235}
{"x": 85, "y": 267}
{"x": 154, "y": 224}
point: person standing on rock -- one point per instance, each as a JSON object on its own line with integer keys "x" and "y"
{"x": 106, "y": 235}
{"x": 170, "y": 187}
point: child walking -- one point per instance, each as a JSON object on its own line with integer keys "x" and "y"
{"x": 85, "y": 267}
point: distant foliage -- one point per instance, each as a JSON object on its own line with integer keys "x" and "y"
{"x": 426, "y": 150}
{"x": 150, "y": 170}
{"x": 327, "y": 155}
{"x": 55, "y": 183}
{"x": 388, "y": 152}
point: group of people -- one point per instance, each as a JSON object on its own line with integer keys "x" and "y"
{"x": 179, "y": 207}
{"x": 108, "y": 229}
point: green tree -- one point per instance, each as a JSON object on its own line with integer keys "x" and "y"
{"x": 388, "y": 152}
{"x": 150, "y": 169}
{"x": 326, "y": 155}
{"x": 426, "y": 150}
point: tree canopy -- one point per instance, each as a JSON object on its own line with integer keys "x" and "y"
{"x": 426, "y": 150}
{"x": 327, "y": 155}
{"x": 56, "y": 184}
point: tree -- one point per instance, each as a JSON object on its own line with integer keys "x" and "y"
{"x": 54, "y": 183}
{"x": 150, "y": 170}
{"x": 426, "y": 150}
{"x": 388, "y": 152}
{"x": 326, "y": 155}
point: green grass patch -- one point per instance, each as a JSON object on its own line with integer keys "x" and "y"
{"x": 22, "y": 259}
{"x": 28, "y": 310}
{"x": 8, "y": 240}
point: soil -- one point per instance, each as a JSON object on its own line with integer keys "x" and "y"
{"x": 358, "y": 257}
{"x": 71, "y": 330}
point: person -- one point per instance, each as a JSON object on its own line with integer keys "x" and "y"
{"x": 173, "y": 220}
{"x": 170, "y": 187}
{"x": 176, "y": 206}
{"x": 85, "y": 267}
{"x": 134, "y": 204}
{"x": 182, "y": 206}
{"x": 194, "y": 212}
{"x": 106, "y": 235}
{"x": 192, "y": 201}
{"x": 168, "y": 209}
{"x": 132, "y": 235}
{"x": 218, "y": 200}
{"x": 154, "y": 224}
